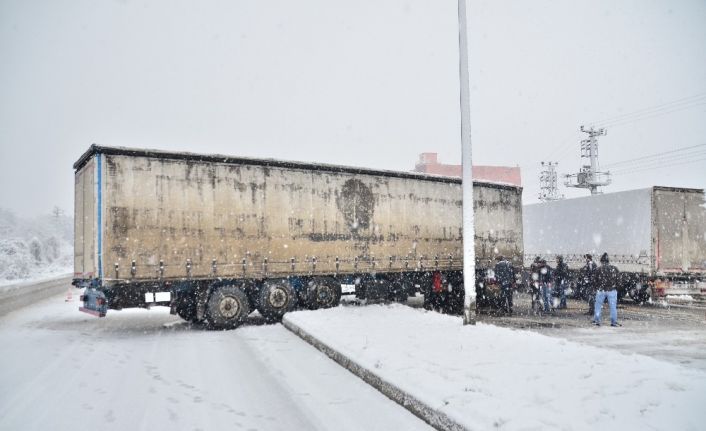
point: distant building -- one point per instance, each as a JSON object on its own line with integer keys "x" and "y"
{"x": 428, "y": 163}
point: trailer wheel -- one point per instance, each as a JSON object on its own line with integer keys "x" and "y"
{"x": 186, "y": 310}
{"x": 323, "y": 292}
{"x": 227, "y": 307}
{"x": 398, "y": 292}
{"x": 276, "y": 298}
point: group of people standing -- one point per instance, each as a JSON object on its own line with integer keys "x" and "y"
{"x": 545, "y": 279}
{"x": 600, "y": 283}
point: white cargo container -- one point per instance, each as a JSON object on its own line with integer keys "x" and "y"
{"x": 655, "y": 236}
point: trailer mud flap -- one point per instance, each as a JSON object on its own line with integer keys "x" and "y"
{"x": 94, "y": 303}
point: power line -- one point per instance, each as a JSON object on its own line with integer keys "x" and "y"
{"x": 678, "y": 150}
{"x": 626, "y": 172}
{"x": 559, "y": 151}
{"x": 651, "y": 115}
{"x": 665, "y": 159}
{"x": 697, "y": 98}
{"x": 563, "y": 145}
{"x": 660, "y": 162}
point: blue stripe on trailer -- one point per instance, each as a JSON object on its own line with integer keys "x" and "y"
{"x": 99, "y": 216}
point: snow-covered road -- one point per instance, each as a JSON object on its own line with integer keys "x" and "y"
{"x": 140, "y": 369}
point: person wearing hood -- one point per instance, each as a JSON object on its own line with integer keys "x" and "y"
{"x": 534, "y": 282}
{"x": 505, "y": 275}
{"x": 561, "y": 278}
{"x": 546, "y": 275}
{"x": 607, "y": 283}
{"x": 588, "y": 275}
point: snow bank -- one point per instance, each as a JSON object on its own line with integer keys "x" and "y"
{"x": 36, "y": 248}
{"x": 487, "y": 377}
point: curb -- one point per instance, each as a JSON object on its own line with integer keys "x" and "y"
{"x": 428, "y": 414}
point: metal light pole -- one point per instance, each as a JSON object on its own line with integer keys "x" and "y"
{"x": 469, "y": 232}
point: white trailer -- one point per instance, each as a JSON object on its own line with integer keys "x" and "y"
{"x": 655, "y": 236}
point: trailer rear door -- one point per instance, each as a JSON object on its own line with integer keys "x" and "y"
{"x": 679, "y": 226}
{"x": 85, "y": 221}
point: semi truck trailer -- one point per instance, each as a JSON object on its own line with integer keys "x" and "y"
{"x": 216, "y": 237}
{"x": 655, "y": 236}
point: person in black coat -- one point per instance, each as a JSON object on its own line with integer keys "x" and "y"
{"x": 588, "y": 279}
{"x": 561, "y": 279}
{"x": 546, "y": 277}
{"x": 505, "y": 275}
{"x": 534, "y": 282}
{"x": 607, "y": 280}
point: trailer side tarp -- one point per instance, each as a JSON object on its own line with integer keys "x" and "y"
{"x": 185, "y": 215}
{"x": 616, "y": 223}
{"x": 657, "y": 230}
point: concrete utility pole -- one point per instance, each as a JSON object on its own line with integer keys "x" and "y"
{"x": 588, "y": 176}
{"x": 548, "y": 187}
{"x": 469, "y": 233}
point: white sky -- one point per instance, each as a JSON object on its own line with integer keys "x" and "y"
{"x": 364, "y": 83}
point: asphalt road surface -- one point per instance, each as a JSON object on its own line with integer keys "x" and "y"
{"x": 674, "y": 334}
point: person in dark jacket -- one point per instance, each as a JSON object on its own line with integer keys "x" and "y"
{"x": 534, "y": 282}
{"x": 588, "y": 278}
{"x": 561, "y": 279}
{"x": 607, "y": 283}
{"x": 505, "y": 275}
{"x": 545, "y": 284}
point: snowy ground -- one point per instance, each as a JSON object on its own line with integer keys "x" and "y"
{"x": 490, "y": 377}
{"x": 145, "y": 369}
{"x": 137, "y": 369}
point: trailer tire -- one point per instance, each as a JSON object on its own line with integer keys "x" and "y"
{"x": 227, "y": 307}
{"x": 186, "y": 309}
{"x": 399, "y": 292}
{"x": 323, "y": 292}
{"x": 376, "y": 289}
{"x": 276, "y": 298}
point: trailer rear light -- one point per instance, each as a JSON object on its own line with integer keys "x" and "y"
{"x": 100, "y": 301}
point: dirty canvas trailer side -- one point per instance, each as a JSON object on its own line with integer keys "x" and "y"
{"x": 655, "y": 236}
{"x": 216, "y": 237}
